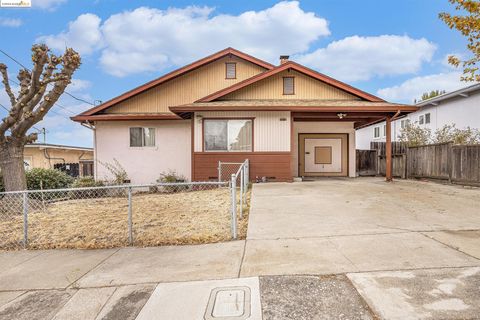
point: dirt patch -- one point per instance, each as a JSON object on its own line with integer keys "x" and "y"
{"x": 158, "y": 219}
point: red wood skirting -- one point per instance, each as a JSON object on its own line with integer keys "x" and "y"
{"x": 274, "y": 165}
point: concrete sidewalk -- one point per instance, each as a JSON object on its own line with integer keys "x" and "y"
{"x": 314, "y": 251}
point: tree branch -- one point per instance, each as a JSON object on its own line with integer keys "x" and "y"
{"x": 6, "y": 83}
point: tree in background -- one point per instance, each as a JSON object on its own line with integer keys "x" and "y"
{"x": 469, "y": 26}
{"x": 458, "y": 136}
{"x": 415, "y": 135}
{"x": 39, "y": 89}
{"x": 432, "y": 94}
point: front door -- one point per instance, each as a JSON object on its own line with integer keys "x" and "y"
{"x": 323, "y": 154}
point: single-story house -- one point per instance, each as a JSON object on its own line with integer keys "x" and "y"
{"x": 72, "y": 159}
{"x": 460, "y": 107}
{"x": 288, "y": 120}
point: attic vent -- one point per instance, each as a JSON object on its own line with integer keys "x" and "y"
{"x": 230, "y": 70}
{"x": 288, "y": 85}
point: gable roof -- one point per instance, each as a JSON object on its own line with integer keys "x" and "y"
{"x": 174, "y": 74}
{"x": 298, "y": 67}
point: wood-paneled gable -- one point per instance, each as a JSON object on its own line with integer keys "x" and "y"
{"x": 187, "y": 88}
{"x": 305, "y": 88}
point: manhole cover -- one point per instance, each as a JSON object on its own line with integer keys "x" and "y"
{"x": 228, "y": 303}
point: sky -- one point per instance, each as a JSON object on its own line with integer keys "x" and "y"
{"x": 394, "y": 49}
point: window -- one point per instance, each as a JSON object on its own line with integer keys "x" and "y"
{"x": 376, "y": 132}
{"x": 142, "y": 137}
{"x": 421, "y": 119}
{"x": 231, "y": 135}
{"x": 288, "y": 85}
{"x": 230, "y": 70}
{"x": 427, "y": 117}
{"x": 384, "y": 130}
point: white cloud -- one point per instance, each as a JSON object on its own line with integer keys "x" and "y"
{"x": 47, "y": 4}
{"x": 10, "y": 22}
{"x": 78, "y": 85}
{"x": 413, "y": 88}
{"x": 149, "y": 39}
{"x": 83, "y": 35}
{"x": 361, "y": 58}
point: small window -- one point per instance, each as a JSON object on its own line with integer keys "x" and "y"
{"x": 421, "y": 119}
{"x": 427, "y": 117}
{"x": 142, "y": 137}
{"x": 230, "y": 70}
{"x": 384, "y": 130}
{"x": 288, "y": 85}
{"x": 376, "y": 132}
{"x": 228, "y": 135}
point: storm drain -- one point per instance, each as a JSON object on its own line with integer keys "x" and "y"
{"x": 229, "y": 303}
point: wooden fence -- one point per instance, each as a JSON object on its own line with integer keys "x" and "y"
{"x": 444, "y": 161}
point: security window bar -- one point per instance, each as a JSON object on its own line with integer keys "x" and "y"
{"x": 288, "y": 85}
{"x": 230, "y": 70}
{"x": 142, "y": 137}
{"x": 228, "y": 135}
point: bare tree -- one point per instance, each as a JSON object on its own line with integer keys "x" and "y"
{"x": 39, "y": 89}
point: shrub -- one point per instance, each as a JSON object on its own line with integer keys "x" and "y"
{"x": 86, "y": 182}
{"x": 119, "y": 173}
{"x": 415, "y": 135}
{"x": 39, "y": 178}
{"x": 458, "y": 136}
{"x": 171, "y": 176}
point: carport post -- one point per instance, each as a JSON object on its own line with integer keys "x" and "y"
{"x": 388, "y": 149}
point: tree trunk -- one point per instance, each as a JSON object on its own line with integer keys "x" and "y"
{"x": 12, "y": 166}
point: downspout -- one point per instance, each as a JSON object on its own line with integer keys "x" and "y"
{"x": 47, "y": 156}
{"x": 91, "y": 126}
{"x": 395, "y": 116}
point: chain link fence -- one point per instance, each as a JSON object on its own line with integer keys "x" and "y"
{"x": 114, "y": 216}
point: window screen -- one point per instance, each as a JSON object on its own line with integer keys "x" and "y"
{"x": 420, "y": 120}
{"x": 376, "y": 132}
{"x": 288, "y": 85}
{"x": 230, "y": 70}
{"x": 228, "y": 135}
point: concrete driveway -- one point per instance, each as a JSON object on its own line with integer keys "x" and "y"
{"x": 351, "y": 225}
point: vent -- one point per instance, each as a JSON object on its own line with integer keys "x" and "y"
{"x": 288, "y": 85}
{"x": 230, "y": 70}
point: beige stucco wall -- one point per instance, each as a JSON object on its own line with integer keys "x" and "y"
{"x": 270, "y": 134}
{"x": 37, "y": 158}
{"x": 305, "y": 88}
{"x": 144, "y": 164}
{"x": 326, "y": 127}
{"x": 188, "y": 87}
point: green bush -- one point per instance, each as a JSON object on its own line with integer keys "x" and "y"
{"x": 38, "y": 178}
{"x": 171, "y": 177}
{"x": 86, "y": 182}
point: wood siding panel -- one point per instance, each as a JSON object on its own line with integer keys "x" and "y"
{"x": 187, "y": 88}
{"x": 275, "y": 166}
{"x": 305, "y": 88}
{"x": 270, "y": 134}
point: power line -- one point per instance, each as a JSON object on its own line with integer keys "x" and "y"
{"x": 66, "y": 92}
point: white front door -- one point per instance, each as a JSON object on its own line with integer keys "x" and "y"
{"x": 323, "y": 154}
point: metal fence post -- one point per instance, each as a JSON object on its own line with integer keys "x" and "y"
{"x": 219, "y": 171}
{"x": 242, "y": 187}
{"x": 25, "y": 219}
{"x": 130, "y": 231}
{"x": 233, "y": 186}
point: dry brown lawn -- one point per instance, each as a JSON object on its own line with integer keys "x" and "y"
{"x": 158, "y": 219}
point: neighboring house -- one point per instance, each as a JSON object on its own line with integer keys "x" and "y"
{"x": 74, "y": 160}
{"x": 460, "y": 107}
{"x": 288, "y": 120}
